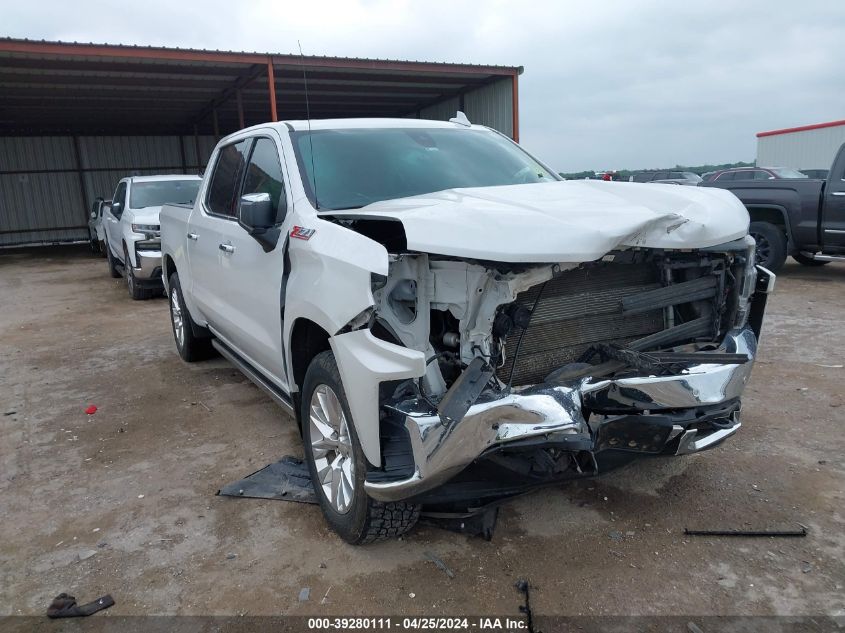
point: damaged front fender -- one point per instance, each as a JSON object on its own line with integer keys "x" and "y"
{"x": 364, "y": 362}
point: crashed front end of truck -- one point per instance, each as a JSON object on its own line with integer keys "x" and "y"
{"x": 534, "y": 373}
{"x": 539, "y": 373}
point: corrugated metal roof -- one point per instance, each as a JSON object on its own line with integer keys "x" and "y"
{"x": 49, "y": 87}
{"x": 226, "y": 52}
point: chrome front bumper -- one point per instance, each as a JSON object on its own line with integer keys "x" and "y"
{"x": 149, "y": 265}
{"x": 663, "y": 407}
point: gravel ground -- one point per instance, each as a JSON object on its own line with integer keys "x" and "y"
{"x": 123, "y": 501}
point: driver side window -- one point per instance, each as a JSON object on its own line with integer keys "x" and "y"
{"x": 264, "y": 175}
{"x": 119, "y": 199}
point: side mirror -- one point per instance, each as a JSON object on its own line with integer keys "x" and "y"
{"x": 116, "y": 207}
{"x": 93, "y": 214}
{"x": 257, "y": 214}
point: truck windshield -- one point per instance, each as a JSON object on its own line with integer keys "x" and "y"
{"x": 157, "y": 193}
{"x": 356, "y": 167}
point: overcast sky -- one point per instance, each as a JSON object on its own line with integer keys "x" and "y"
{"x": 607, "y": 85}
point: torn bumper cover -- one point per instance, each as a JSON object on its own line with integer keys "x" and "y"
{"x": 676, "y": 414}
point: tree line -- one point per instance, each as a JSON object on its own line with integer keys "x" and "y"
{"x": 625, "y": 174}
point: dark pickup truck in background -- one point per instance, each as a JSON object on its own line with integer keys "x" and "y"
{"x": 804, "y": 218}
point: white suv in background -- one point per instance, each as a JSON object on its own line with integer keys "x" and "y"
{"x": 131, "y": 227}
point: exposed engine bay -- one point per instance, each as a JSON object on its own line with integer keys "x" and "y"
{"x": 559, "y": 322}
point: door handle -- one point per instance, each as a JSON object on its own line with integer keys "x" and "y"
{"x": 227, "y": 248}
{"x": 839, "y": 193}
{"x": 193, "y": 236}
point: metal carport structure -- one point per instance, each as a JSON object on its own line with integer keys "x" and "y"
{"x": 74, "y": 118}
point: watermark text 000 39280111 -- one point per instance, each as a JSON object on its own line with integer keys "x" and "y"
{"x": 417, "y": 623}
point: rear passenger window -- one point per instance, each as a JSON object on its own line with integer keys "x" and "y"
{"x": 222, "y": 195}
{"x": 264, "y": 175}
{"x": 728, "y": 175}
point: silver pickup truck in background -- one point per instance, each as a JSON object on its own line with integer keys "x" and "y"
{"x": 131, "y": 230}
{"x": 451, "y": 324}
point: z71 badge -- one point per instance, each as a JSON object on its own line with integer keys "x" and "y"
{"x": 301, "y": 233}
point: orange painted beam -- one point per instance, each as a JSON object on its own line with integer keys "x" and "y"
{"x": 271, "y": 87}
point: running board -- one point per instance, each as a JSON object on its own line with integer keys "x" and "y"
{"x": 253, "y": 374}
{"x": 825, "y": 258}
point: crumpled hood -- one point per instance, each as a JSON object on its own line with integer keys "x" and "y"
{"x": 147, "y": 215}
{"x": 571, "y": 221}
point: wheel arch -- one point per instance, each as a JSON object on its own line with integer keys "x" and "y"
{"x": 307, "y": 339}
{"x": 774, "y": 214}
{"x": 168, "y": 267}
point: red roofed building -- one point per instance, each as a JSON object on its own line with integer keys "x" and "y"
{"x": 807, "y": 148}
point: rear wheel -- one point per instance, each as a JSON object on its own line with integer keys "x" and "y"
{"x": 112, "y": 262}
{"x": 337, "y": 463}
{"x": 807, "y": 261}
{"x": 191, "y": 346}
{"x": 771, "y": 245}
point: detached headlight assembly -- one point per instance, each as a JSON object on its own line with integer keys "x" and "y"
{"x": 747, "y": 284}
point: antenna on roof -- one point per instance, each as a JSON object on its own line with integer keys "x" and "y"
{"x": 461, "y": 119}
{"x": 308, "y": 116}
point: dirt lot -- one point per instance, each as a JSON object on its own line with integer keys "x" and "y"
{"x": 123, "y": 501}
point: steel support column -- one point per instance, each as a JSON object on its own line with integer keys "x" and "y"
{"x": 240, "y": 103}
{"x": 197, "y": 144}
{"x": 78, "y": 156}
{"x": 271, "y": 87}
{"x": 515, "y": 108}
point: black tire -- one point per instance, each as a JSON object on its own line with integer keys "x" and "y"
{"x": 113, "y": 271}
{"x": 771, "y": 245}
{"x": 807, "y": 261}
{"x": 135, "y": 291}
{"x": 366, "y": 520}
{"x": 195, "y": 342}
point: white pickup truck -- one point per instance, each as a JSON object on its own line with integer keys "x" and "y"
{"x": 449, "y": 322}
{"x": 131, "y": 229}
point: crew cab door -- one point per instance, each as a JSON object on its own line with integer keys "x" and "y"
{"x": 248, "y": 275}
{"x": 111, "y": 219}
{"x": 254, "y": 271}
{"x": 833, "y": 209}
{"x": 206, "y": 230}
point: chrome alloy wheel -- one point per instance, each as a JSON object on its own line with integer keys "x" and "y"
{"x": 331, "y": 448}
{"x": 176, "y": 316}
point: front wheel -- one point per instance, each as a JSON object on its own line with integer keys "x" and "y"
{"x": 114, "y": 273}
{"x": 337, "y": 463}
{"x": 771, "y": 245}
{"x": 135, "y": 291}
